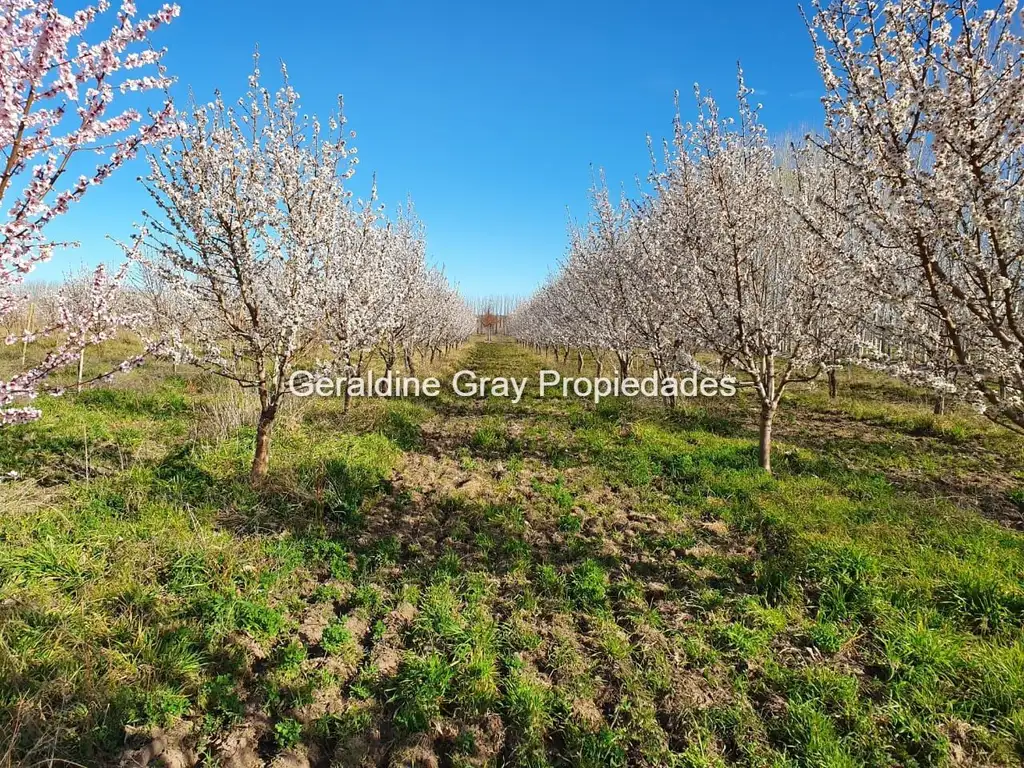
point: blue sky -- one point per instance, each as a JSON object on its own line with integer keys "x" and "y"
{"x": 490, "y": 115}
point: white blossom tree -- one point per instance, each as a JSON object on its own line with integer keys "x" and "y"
{"x": 251, "y": 205}
{"x": 57, "y": 99}
{"x": 925, "y": 108}
{"x": 734, "y": 251}
{"x": 852, "y": 324}
{"x": 271, "y": 264}
{"x": 762, "y": 284}
{"x": 403, "y": 244}
{"x": 441, "y": 318}
{"x": 358, "y": 277}
{"x": 380, "y": 296}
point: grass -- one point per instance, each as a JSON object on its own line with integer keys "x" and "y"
{"x": 477, "y": 582}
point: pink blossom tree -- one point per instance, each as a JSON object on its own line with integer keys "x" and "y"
{"x": 57, "y": 99}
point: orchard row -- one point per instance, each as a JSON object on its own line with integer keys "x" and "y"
{"x": 255, "y": 255}
{"x": 893, "y": 238}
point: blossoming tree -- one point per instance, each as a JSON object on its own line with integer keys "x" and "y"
{"x": 251, "y": 204}
{"x": 925, "y": 107}
{"x": 734, "y": 251}
{"x": 57, "y": 105}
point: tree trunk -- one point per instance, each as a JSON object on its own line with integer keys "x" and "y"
{"x": 767, "y": 416}
{"x": 623, "y": 365}
{"x": 833, "y": 385}
{"x": 665, "y": 399}
{"x": 940, "y": 404}
{"x": 579, "y": 361}
{"x": 28, "y": 330}
{"x": 389, "y": 355}
{"x": 261, "y": 459}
